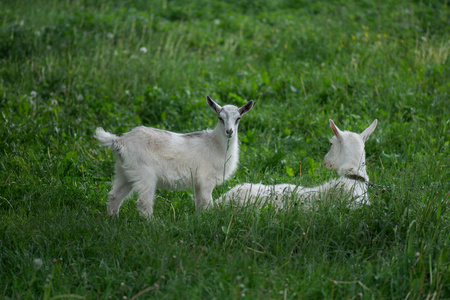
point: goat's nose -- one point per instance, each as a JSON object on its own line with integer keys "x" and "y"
{"x": 229, "y": 132}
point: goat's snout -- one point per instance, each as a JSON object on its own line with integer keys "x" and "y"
{"x": 229, "y": 132}
{"x": 326, "y": 163}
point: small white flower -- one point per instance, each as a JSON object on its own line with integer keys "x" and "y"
{"x": 37, "y": 263}
{"x": 80, "y": 97}
{"x": 110, "y": 35}
{"x": 54, "y": 102}
{"x": 143, "y": 50}
{"x": 127, "y": 92}
{"x": 33, "y": 94}
{"x": 116, "y": 52}
{"x": 49, "y": 47}
{"x": 217, "y": 21}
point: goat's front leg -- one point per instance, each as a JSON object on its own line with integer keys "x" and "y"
{"x": 203, "y": 195}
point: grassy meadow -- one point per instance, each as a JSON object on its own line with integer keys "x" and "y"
{"x": 67, "y": 67}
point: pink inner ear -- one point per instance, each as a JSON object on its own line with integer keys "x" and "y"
{"x": 334, "y": 128}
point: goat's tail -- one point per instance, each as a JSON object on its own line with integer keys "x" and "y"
{"x": 107, "y": 139}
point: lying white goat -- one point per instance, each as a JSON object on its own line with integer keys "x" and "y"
{"x": 346, "y": 156}
{"x": 149, "y": 158}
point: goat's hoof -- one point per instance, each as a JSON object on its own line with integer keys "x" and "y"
{"x": 146, "y": 215}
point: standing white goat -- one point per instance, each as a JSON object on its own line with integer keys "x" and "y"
{"x": 347, "y": 156}
{"x": 149, "y": 158}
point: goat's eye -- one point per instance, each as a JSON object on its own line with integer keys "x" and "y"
{"x": 221, "y": 120}
{"x": 237, "y": 120}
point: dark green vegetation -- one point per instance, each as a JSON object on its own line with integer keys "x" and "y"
{"x": 67, "y": 67}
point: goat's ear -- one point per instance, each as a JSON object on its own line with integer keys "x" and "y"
{"x": 335, "y": 129}
{"x": 368, "y": 131}
{"x": 246, "y": 107}
{"x": 213, "y": 104}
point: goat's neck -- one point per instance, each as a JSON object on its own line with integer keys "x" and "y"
{"x": 355, "y": 168}
{"x": 222, "y": 141}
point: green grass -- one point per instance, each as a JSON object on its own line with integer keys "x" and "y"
{"x": 67, "y": 67}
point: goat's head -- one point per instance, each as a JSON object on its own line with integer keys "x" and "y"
{"x": 347, "y": 147}
{"x": 229, "y": 115}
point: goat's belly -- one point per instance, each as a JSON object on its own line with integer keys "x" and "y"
{"x": 175, "y": 181}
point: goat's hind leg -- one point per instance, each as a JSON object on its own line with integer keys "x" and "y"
{"x": 121, "y": 189}
{"x": 146, "y": 188}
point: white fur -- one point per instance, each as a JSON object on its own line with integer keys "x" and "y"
{"x": 149, "y": 158}
{"x": 346, "y": 156}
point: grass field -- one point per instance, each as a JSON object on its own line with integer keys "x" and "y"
{"x": 67, "y": 67}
